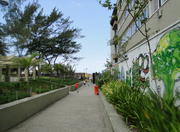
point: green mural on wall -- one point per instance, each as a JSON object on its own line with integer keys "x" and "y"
{"x": 166, "y": 60}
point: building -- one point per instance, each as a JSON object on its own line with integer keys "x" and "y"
{"x": 156, "y": 57}
{"x": 10, "y": 71}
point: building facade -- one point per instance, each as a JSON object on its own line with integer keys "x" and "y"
{"x": 155, "y": 59}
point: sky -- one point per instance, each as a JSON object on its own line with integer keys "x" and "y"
{"x": 93, "y": 19}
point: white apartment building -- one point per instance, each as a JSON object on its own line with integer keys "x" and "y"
{"x": 130, "y": 53}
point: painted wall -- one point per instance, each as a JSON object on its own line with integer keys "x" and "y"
{"x": 138, "y": 71}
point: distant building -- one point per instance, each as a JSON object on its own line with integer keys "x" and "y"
{"x": 7, "y": 66}
{"x": 131, "y": 50}
{"x": 80, "y": 75}
{"x": 11, "y": 71}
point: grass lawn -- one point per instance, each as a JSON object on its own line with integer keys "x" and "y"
{"x": 17, "y": 90}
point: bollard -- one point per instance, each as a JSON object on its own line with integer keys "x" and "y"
{"x": 96, "y": 90}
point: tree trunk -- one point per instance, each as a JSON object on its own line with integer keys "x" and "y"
{"x": 7, "y": 74}
{"x": 26, "y": 74}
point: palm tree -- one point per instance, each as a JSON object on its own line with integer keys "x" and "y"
{"x": 27, "y": 62}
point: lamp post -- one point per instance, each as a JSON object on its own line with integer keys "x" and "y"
{"x": 4, "y": 2}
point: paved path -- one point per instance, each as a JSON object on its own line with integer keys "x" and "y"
{"x": 79, "y": 112}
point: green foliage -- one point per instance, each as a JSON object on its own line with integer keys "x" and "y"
{"x": 3, "y": 48}
{"x": 108, "y": 64}
{"x": 18, "y": 90}
{"x": 148, "y": 113}
{"x": 27, "y": 61}
{"x": 136, "y": 80}
{"x": 107, "y": 76}
{"x": 31, "y": 30}
{"x": 47, "y": 69}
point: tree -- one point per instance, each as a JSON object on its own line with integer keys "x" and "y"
{"x": 3, "y": 48}
{"x": 108, "y": 64}
{"x": 3, "y": 45}
{"x": 31, "y": 30}
{"x": 17, "y": 25}
{"x": 47, "y": 69}
{"x": 27, "y": 62}
{"x": 63, "y": 69}
{"x": 53, "y": 37}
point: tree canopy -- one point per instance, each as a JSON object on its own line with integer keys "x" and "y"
{"x": 30, "y": 30}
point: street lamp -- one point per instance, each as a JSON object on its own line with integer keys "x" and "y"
{"x": 4, "y": 2}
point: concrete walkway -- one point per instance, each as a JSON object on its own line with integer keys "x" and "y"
{"x": 79, "y": 112}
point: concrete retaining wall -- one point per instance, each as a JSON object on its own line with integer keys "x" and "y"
{"x": 13, "y": 113}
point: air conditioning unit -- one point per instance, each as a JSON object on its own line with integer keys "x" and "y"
{"x": 159, "y": 13}
{"x": 4, "y": 2}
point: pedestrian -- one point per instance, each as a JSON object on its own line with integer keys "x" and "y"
{"x": 84, "y": 82}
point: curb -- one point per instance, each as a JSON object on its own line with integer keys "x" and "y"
{"x": 116, "y": 120}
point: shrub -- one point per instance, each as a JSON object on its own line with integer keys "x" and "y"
{"x": 147, "y": 112}
{"x": 18, "y": 90}
{"x": 106, "y": 77}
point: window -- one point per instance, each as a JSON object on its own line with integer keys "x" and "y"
{"x": 133, "y": 28}
{"x": 161, "y": 2}
{"x": 131, "y": 4}
{"x": 146, "y": 12}
{"x": 154, "y": 5}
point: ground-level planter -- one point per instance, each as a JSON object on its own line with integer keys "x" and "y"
{"x": 15, "y": 112}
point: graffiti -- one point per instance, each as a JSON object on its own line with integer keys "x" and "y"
{"x": 144, "y": 66}
{"x": 166, "y": 60}
{"x": 138, "y": 74}
{"x": 140, "y": 71}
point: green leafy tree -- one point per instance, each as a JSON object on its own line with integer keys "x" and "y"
{"x": 3, "y": 45}
{"x": 166, "y": 60}
{"x": 64, "y": 70}
{"x": 27, "y": 62}
{"x": 47, "y": 69}
{"x": 31, "y": 30}
{"x": 3, "y": 48}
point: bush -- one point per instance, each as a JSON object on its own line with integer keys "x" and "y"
{"x": 147, "y": 112}
{"x": 106, "y": 77}
{"x": 18, "y": 90}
